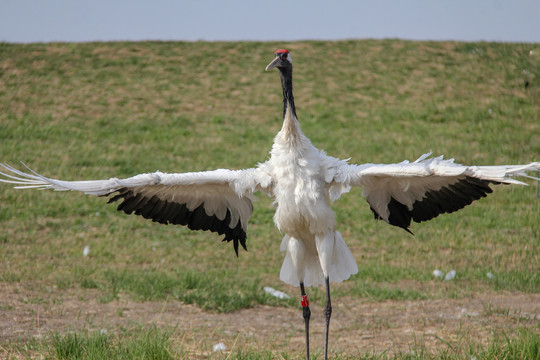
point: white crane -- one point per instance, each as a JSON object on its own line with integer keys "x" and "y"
{"x": 303, "y": 182}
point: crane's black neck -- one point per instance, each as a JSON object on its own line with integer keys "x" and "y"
{"x": 286, "y": 83}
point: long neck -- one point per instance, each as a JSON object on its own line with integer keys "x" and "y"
{"x": 286, "y": 83}
{"x": 291, "y": 128}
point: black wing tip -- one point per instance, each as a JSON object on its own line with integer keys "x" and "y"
{"x": 451, "y": 198}
{"x": 399, "y": 215}
{"x": 237, "y": 239}
{"x": 408, "y": 230}
{"x": 448, "y": 199}
{"x": 165, "y": 212}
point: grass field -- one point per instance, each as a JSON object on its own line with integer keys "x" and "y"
{"x": 100, "y": 110}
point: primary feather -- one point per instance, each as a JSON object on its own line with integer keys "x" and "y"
{"x": 219, "y": 201}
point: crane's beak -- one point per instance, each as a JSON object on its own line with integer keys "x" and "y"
{"x": 273, "y": 64}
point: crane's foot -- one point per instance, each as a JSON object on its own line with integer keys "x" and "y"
{"x": 306, "y": 313}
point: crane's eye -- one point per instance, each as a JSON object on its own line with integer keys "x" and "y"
{"x": 283, "y": 56}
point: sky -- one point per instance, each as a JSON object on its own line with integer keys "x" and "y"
{"x": 24, "y": 21}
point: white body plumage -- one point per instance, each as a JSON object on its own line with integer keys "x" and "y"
{"x": 313, "y": 247}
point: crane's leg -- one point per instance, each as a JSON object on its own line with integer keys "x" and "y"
{"x": 327, "y": 312}
{"x": 325, "y": 248}
{"x": 306, "y": 312}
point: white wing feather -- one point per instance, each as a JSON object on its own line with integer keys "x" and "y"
{"x": 220, "y": 191}
{"x": 409, "y": 183}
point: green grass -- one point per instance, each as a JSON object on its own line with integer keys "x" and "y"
{"x": 98, "y": 110}
{"x": 154, "y": 344}
{"x": 143, "y": 344}
{"x": 210, "y": 290}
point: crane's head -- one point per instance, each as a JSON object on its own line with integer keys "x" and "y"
{"x": 283, "y": 60}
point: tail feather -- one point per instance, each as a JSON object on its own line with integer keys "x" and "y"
{"x": 341, "y": 268}
{"x": 343, "y": 263}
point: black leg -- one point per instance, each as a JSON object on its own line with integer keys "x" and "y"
{"x": 306, "y": 312}
{"x": 327, "y": 312}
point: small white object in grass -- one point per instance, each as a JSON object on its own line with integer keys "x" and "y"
{"x": 450, "y": 275}
{"x": 86, "y": 250}
{"x": 220, "y": 347}
{"x": 490, "y": 276}
{"x": 438, "y": 273}
{"x": 276, "y": 293}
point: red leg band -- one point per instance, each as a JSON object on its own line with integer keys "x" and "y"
{"x": 304, "y": 301}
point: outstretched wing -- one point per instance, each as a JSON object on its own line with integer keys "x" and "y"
{"x": 218, "y": 201}
{"x": 420, "y": 191}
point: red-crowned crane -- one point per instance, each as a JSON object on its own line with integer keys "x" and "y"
{"x": 303, "y": 182}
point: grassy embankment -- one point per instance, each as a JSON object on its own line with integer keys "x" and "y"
{"x": 98, "y": 110}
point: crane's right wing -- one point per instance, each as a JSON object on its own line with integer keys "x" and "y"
{"x": 218, "y": 201}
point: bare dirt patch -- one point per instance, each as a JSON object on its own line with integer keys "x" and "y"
{"x": 357, "y": 325}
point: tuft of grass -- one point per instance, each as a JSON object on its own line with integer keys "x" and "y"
{"x": 525, "y": 346}
{"x": 147, "y": 344}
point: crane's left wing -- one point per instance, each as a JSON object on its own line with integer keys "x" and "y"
{"x": 219, "y": 200}
{"x": 420, "y": 191}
